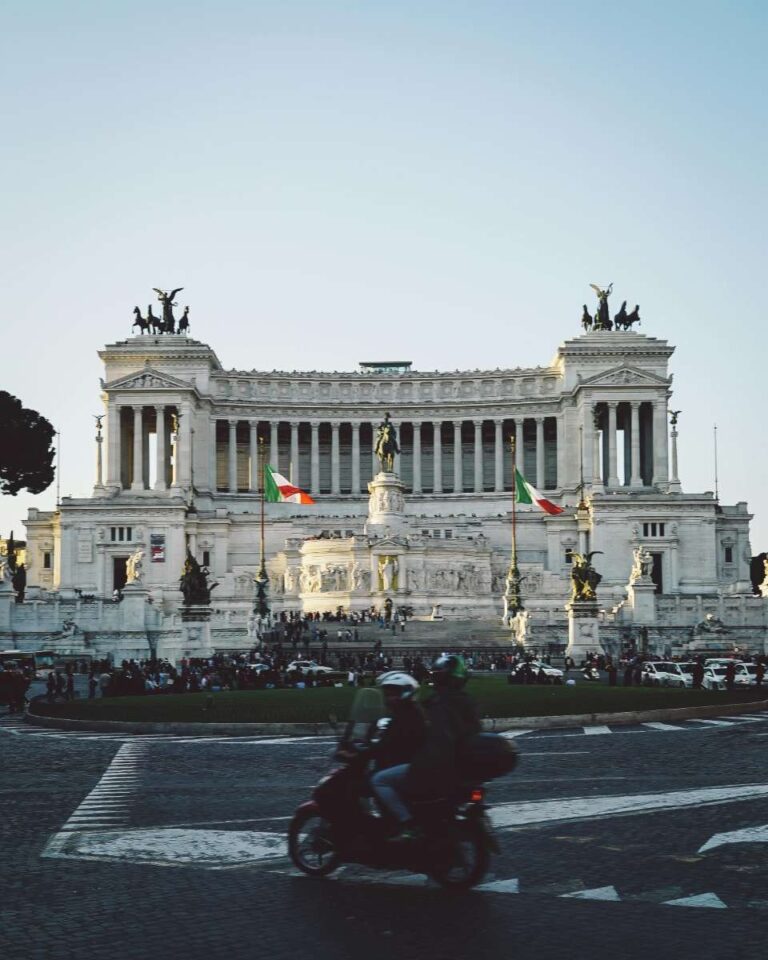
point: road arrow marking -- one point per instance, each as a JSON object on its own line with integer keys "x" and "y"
{"x": 748, "y": 835}
{"x": 701, "y": 900}
{"x": 599, "y": 893}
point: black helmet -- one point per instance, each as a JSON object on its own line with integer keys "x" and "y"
{"x": 449, "y": 670}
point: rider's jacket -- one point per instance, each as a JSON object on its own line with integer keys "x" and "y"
{"x": 402, "y": 738}
{"x": 452, "y": 717}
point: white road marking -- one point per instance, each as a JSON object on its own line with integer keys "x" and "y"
{"x": 596, "y": 730}
{"x": 666, "y": 727}
{"x": 700, "y": 900}
{"x": 598, "y": 893}
{"x": 747, "y": 835}
{"x": 501, "y": 886}
{"x": 577, "y": 808}
{"x": 510, "y": 734}
{"x": 714, "y": 723}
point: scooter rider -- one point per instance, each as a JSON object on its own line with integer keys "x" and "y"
{"x": 402, "y": 738}
{"x": 452, "y": 716}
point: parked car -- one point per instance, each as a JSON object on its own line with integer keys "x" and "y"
{"x": 308, "y": 667}
{"x": 552, "y": 674}
{"x": 714, "y": 678}
{"x": 664, "y": 674}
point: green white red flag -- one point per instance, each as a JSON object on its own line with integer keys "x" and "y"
{"x": 278, "y": 490}
{"x": 527, "y": 493}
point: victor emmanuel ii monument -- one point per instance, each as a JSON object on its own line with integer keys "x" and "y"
{"x": 412, "y": 482}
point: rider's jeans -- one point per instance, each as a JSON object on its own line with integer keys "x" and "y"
{"x": 389, "y": 785}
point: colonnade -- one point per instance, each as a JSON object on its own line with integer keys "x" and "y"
{"x": 642, "y": 427}
{"x": 336, "y": 457}
{"x": 139, "y": 435}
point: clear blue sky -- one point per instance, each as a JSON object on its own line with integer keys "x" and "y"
{"x": 445, "y": 176}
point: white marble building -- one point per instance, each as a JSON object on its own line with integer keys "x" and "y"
{"x": 178, "y": 466}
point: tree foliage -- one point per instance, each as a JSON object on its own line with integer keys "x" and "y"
{"x": 26, "y": 451}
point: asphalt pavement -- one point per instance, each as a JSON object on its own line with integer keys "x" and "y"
{"x": 643, "y": 841}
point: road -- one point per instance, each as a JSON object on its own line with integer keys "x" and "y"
{"x": 644, "y": 841}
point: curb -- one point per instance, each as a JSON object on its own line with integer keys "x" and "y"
{"x": 497, "y": 724}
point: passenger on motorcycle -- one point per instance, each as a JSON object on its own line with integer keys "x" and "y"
{"x": 452, "y": 717}
{"x": 396, "y": 747}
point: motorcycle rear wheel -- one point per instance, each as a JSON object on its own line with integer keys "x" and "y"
{"x": 467, "y": 861}
{"x": 310, "y": 845}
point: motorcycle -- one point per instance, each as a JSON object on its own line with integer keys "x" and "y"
{"x": 343, "y": 823}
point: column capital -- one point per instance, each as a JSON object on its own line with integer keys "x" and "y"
{"x": 457, "y": 424}
{"x": 294, "y": 424}
{"x": 539, "y": 418}
{"x": 335, "y": 424}
{"x": 437, "y": 423}
{"x": 498, "y": 421}
{"x": 478, "y": 423}
{"x": 355, "y": 424}
{"x": 233, "y": 421}
{"x": 635, "y": 404}
{"x": 137, "y": 407}
{"x": 313, "y": 426}
{"x": 612, "y": 404}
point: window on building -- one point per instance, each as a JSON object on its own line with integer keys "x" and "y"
{"x": 46, "y": 560}
{"x": 568, "y": 555}
{"x": 449, "y": 534}
{"x": 425, "y": 533}
{"x": 206, "y": 558}
{"x": 661, "y": 529}
{"x": 113, "y": 534}
{"x": 129, "y": 533}
{"x": 729, "y": 554}
{"x": 653, "y": 529}
{"x": 436, "y": 533}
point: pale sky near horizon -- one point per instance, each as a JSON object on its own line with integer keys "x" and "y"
{"x": 446, "y": 178}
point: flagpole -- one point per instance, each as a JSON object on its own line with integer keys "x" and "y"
{"x": 261, "y": 606}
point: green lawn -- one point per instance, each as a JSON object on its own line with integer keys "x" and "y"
{"x": 495, "y": 697}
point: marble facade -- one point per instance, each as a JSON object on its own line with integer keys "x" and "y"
{"x": 177, "y": 467}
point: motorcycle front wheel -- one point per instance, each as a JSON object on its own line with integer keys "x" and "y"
{"x": 464, "y": 862}
{"x": 310, "y": 845}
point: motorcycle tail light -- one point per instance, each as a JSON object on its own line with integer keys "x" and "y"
{"x": 477, "y": 795}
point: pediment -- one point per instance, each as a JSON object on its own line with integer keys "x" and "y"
{"x": 148, "y": 379}
{"x": 625, "y": 375}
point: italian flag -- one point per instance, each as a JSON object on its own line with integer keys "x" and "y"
{"x": 526, "y": 493}
{"x": 278, "y": 490}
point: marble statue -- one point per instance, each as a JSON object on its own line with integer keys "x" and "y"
{"x": 642, "y": 565}
{"x": 388, "y": 567}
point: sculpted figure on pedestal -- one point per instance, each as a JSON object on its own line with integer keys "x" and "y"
{"x": 642, "y": 565}
{"x": 169, "y": 322}
{"x": 584, "y": 577}
{"x": 586, "y": 319}
{"x": 602, "y": 319}
{"x": 134, "y": 567}
{"x": 386, "y": 444}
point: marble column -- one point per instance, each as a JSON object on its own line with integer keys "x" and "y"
{"x": 674, "y": 479}
{"x": 437, "y": 457}
{"x": 213, "y": 465}
{"x": 113, "y": 445}
{"x": 138, "y": 449}
{"x": 593, "y": 430}
{"x": 232, "y": 482}
{"x": 613, "y": 476}
{"x": 273, "y": 448}
{"x": 458, "y": 479}
{"x": 355, "y": 459}
{"x": 294, "y": 477}
{"x": 498, "y": 463}
{"x": 660, "y": 444}
{"x": 635, "y": 480}
{"x": 561, "y": 459}
{"x": 314, "y": 460}
{"x": 335, "y": 465}
{"x": 416, "y": 457}
{"x": 161, "y": 451}
{"x": 185, "y": 445}
{"x": 375, "y": 465}
{"x": 540, "y": 453}
{"x": 254, "y": 454}
{"x": 478, "y": 456}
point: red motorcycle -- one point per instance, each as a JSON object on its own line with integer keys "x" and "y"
{"x": 343, "y": 823}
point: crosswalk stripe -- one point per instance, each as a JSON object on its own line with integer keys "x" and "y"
{"x": 714, "y": 723}
{"x": 662, "y": 726}
{"x": 596, "y": 730}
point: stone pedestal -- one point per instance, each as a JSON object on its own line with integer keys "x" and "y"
{"x": 386, "y": 507}
{"x": 583, "y": 630}
{"x": 194, "y": 640}
{"x": 641, "y": 597}
{"x": 7, "y": 599}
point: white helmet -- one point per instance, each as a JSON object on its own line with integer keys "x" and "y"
{"x": 403, "y": 682}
